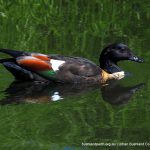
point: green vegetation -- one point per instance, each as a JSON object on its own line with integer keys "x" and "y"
{"x": 79, "y": 28}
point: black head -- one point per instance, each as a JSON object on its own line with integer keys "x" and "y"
{"x": 114, "y": 53}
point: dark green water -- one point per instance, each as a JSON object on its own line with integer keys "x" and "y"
{"x": 30, "y": 116}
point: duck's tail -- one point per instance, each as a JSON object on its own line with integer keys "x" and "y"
{"x": 18, "y": 72}
{"x": 14, "y": 53}
{"x": 6, "y": 60}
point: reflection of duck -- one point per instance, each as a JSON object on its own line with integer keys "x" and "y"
{"x": 118, "y": 94}
{"x": 20, "y": 92}
{"x": 58, "y": 68}
{"x": 34, "y": 92}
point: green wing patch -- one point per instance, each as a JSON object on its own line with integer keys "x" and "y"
{"x": 49, "y": 74}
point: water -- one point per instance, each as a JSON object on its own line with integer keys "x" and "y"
{"x": 37, "y": 116}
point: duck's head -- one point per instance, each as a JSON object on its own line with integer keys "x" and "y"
{"x": 114, "y": 53}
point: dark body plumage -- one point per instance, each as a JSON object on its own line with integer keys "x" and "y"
{"x": 77, "y": 69}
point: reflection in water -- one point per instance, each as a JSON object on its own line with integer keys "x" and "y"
{"x": 35, "y": 92}
{"x": 116, "y": 94}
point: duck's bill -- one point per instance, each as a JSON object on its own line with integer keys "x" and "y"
{"x": 136, "y": 59}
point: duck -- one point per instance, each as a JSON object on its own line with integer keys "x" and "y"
{"x": 33, "y": 66}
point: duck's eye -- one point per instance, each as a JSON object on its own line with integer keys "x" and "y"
{"x": 121, "y": 48}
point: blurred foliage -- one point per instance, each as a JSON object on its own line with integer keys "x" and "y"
{"x": 46, "y": 25}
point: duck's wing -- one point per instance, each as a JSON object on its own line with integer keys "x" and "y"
{"x": 61, "y": 70}
{"x": 37, "y": 65}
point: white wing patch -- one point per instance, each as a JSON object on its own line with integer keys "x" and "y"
{"x": 56, "y": 64}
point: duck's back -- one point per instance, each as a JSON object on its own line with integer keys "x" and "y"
{"x": 77, "y": 66}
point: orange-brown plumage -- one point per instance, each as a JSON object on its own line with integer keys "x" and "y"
{"x": 35, "y": 64}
